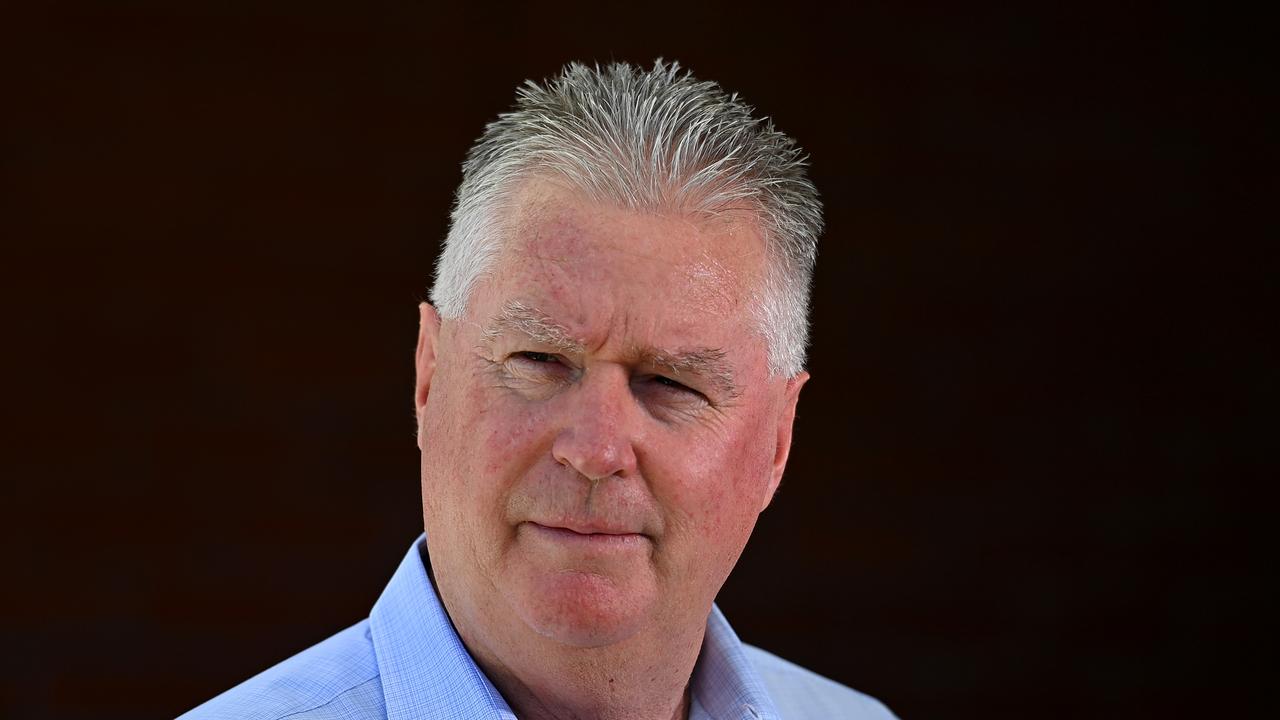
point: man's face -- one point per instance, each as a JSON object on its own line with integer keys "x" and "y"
{"x": 599, "y": 430}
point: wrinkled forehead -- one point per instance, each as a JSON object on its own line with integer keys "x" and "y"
{"x": 560, "y": 238}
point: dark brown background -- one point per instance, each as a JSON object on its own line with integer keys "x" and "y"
{"x": 1024, "y": 480}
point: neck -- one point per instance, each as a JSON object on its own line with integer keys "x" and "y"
{"x": 643, "y": 678}
{"x": 611, "y": 699}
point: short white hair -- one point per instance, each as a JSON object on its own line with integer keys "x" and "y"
{"x": 645, "y": 139}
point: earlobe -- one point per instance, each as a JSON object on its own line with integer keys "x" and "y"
{"x": 786, "y": 420}
{"x": 425, "y": 359}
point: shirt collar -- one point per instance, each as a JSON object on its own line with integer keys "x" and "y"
{"x": 427, "y": 672}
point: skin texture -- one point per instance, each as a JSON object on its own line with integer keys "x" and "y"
{"x": 599, "y": 432}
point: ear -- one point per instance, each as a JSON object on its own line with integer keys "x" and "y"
{"x": 425, "y": 360}
{"x": 786, "y": 419}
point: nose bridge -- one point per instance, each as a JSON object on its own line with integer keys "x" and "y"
{"x": 598, "y": 428}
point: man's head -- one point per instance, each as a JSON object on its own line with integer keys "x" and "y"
{"x": 644, "y": 140}
{"x": 605, "y": 398}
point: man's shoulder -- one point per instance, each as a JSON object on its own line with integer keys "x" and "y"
{"x": 334, "y": 680}
{"x": 801, "y": 693}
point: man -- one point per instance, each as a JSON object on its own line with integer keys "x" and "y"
{"x": 605, "y": 392}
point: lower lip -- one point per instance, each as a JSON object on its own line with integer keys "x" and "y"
{"x": 597, "y": 541}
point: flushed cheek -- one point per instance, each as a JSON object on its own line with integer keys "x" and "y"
{"x": 511, "y": 430}
{"x": 729, "y": 508}
{"x": 475, "y": 445}
{"x": 490, "y": 449}
{"x": 720, "y": 497}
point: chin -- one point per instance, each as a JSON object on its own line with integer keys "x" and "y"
{"x": 583, "y": 609}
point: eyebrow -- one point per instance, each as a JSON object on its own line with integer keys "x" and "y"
{"x": 708, "y": 363}
{"x": 534, "y": 324}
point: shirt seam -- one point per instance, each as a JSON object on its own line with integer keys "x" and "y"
{"x": 330, "y": 701}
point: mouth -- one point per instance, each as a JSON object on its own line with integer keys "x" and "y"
{"x": 589, "y": 536}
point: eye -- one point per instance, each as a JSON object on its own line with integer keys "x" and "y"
{"x": 531, "y": 370}
{"x": 538, "y": 357}
{"x": 668, "y": 382}
{"x": 673, "y": 386}
{"x": 537, "y": 365}
{"x": 668, "y": 399}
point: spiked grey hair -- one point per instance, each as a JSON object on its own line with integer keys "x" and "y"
{"x": 657, "y": 139}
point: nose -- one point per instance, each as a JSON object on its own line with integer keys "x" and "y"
{"x": 598, "y": 432}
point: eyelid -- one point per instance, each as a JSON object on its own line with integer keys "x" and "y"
{"x": 551, "y": 360}
{"x": 675, "y": 384}
{"x": 666, "y": 380}
{"x": 669, "y": 381}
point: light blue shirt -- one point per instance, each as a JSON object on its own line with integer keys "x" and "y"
{"x": 407, "y": 662}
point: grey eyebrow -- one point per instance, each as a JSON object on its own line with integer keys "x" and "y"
{"x": 708, "y": 363}
{"x": 518, "y": 317}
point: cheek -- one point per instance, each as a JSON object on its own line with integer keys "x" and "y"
{"x": 721, "y": 490}
{"x": 506, "y": 430}
{"x": 488, "y": 437}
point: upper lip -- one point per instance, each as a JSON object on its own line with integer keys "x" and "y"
{"x": 584, "y": 527}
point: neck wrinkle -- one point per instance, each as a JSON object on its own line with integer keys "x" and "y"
{"x": 540, "y": 685}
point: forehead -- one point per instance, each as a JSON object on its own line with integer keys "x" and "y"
{"x": 582, "y": 255}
